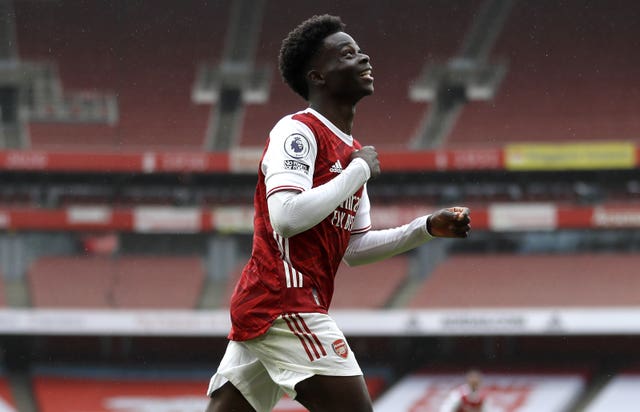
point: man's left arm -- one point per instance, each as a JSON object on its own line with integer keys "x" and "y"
{"x": 375, "y": 245}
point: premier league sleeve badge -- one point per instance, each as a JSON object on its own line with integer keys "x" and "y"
{"x": 296, "y": 146}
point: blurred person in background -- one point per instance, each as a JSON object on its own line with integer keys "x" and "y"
{"x": 311, "y": 212}
{"x": 468, "y": 397}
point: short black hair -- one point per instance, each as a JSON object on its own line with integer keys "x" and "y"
{"x": 300, "y": 45}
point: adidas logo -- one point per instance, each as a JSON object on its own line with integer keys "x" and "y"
{"x": 336, "y": 168}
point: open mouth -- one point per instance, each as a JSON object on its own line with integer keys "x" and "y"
{"x": 366, "y": 74}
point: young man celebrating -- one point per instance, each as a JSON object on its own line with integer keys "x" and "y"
{"x": 311, "y": 212}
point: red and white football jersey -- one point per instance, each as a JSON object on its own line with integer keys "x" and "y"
{"x": 296, "y": 274}
{"x": 469, "y": 401}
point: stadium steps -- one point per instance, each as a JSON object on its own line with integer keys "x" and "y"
{"x": 16, "y": 293}
{"x": 404, "y": 293}
{"x": 20, "y": 383}
{"x": 427, "y": 258}
{"x": 598, "y": 383}
{"x": 213, "y": 294}
{"x": 241, "y": 41}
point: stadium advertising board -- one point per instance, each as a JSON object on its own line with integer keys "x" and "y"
{"x": 166, "y": 219}
{"x": 623, "y": 217}
{"x": 517, "y": 157}
{"x": 498, "y": 217}
{"x": 522, "y": 216}
{"x": 425, "y": 322}
{"x": 570, "y": 156}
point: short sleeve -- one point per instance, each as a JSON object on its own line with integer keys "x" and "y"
{"x": 288, "y": 163}
{"x": 362, "y": 222}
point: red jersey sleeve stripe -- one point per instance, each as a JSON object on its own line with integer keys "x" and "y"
{"x": 361, "y": 230}
{"x": 284, "y": 187}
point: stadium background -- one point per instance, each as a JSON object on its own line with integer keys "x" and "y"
{"x": 130, "y": 135}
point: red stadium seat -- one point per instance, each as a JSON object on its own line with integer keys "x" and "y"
{"x": 397, "y": 47}
{"x": 570, "y": 67}
{"x": 556, "y": 88}
{"x": 594, "y": 280}
{"x": 128, "y": 282}
{"x": 369, "y": 286}
{"x": 63, "y": 394}
{"x": 104, "y": 394}
{"x": 158, "y": 282}
{"x": 71, "y": 282}
{"x": 147, "y": 55}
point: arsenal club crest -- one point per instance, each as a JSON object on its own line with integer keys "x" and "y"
{"x": 340, "y": 348}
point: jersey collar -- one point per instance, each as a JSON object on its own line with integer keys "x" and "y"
{"x": 348, "y": 139}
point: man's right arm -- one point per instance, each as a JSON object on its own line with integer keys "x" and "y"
{"x": 292, "y": 212}
{"x": 294, "y": 205}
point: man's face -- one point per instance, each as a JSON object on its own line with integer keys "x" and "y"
{"x": 474, "y": 379}
{"x": 345, "y": 69}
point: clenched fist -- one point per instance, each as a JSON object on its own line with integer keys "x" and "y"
{"x": 369, "y": 155}
{"x": 450, "y": 222}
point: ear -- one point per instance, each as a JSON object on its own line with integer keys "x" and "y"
{"x": 315, "y": 77}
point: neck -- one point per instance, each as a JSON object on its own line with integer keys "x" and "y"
{"x": 341, "y": 115}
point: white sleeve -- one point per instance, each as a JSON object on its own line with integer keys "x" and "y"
{"x": 362, "y": 221}
{"x": 451, "y": 403}
{"x": 375, "y": 245}
{"x": 288, "y": 163}
{"x": 292, "y": 212}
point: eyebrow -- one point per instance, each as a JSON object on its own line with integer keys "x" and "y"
{"x": 347, "y": 43}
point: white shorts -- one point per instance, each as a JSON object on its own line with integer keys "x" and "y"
{"x": 296, "y": 347}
